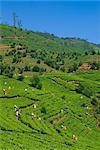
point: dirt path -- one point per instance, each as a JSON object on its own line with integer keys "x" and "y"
{"x": 56, "y": 121}
{"x": 4, "y": 47}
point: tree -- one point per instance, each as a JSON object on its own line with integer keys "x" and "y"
{"x": 19, "y": 24}
{"x": 93, "y": 52}
{"x": 36, "y": 82}
{"x": 98, "y": 53}
{"x": 14, "y": 19}
{"x": 86, "y": 53}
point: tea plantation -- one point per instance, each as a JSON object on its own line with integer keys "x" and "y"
{"x": 57, "y": 103}
{"x": 55, "y": 84}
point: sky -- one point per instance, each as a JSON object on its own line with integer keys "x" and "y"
{"x": 62, "y": 18}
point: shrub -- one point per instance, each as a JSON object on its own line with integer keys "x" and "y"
{"x": 36, "y": 82}
{"x": 27, "y": 68}
{"x": 36, "y": 69}
{"x": 20, "y": 77}
{"x": 38, "y": 61}
{"x": 86, "y": 53}
{"x": 39, "y": 86}
{"x": 13, "y": 68}
{"x": 1, "y": 68}
{"x": 63, "y": 97}
{"x": 13, "y": 52}
{"x": 16, "y": 60}
{"x": 42, "y": 69}
{"x": 93, "y": 52}
{"x": 20, "y": 70}
{"x": 13, "y": 45}
{"x": 33, "y": 55}
{"x": 43, "y": 110}
{"x": 94, "y": 101}
{"x": 24, "y": 54}
{"x": 10, "y": 74}
{"x": 80, "y": 63}
{"x": 1, "y": 58}
{"x": 84, "y": 90}
{"x": 50, "y": 63}
{"x": 72, "y": 68}
{"x": 95, "y": 65}
{"x": 8, "y": 70}
{"x": 62, "y": 68}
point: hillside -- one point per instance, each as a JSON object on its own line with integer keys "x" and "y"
{"x": 27, "y": 47}
{"x": 55, "y": 85}
{"x": 60, "y": 113}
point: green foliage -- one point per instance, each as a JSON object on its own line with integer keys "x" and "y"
{"x": 55, "y": 106}
{"x": 38, "y": 69}
{"x": 63, "y": 97}
{"x": 13, "y": 45}
{"x": 1, "y": 58}
{"x": 24, "y": 54}
{"x": 36, "y": 82}
{"x": 12, "y": 52}
{"x": 84, "y": 90}
{"x": 20, "y": 77}
{"x": 43, "y": 110}
{"x": 86, "y": 53}
{"x": 93, "y": 52}
{"x": 73, "y": 68}
{"x": 39, "y": 86}
{"x": 38, "y": 61}
{"x": 62, "y": 68}
{"x": 94, "y": 100}
{"x": 95, "y": 65}
{"x": 27, "y": 68}
{"x": 1, "y": 68}
{"x": 7, "y": 70}
{"x": 28, "y": 46}
{"x": 20, "y": 70}
{"x": 52, "y": 63}
{"x": 9, "y": 74}
{"x": 16, "y": 60}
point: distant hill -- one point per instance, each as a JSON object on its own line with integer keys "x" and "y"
{"x": 45, "y": 41}
{"x": 98, "y": 45}
{"x": 29, "y": 47}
